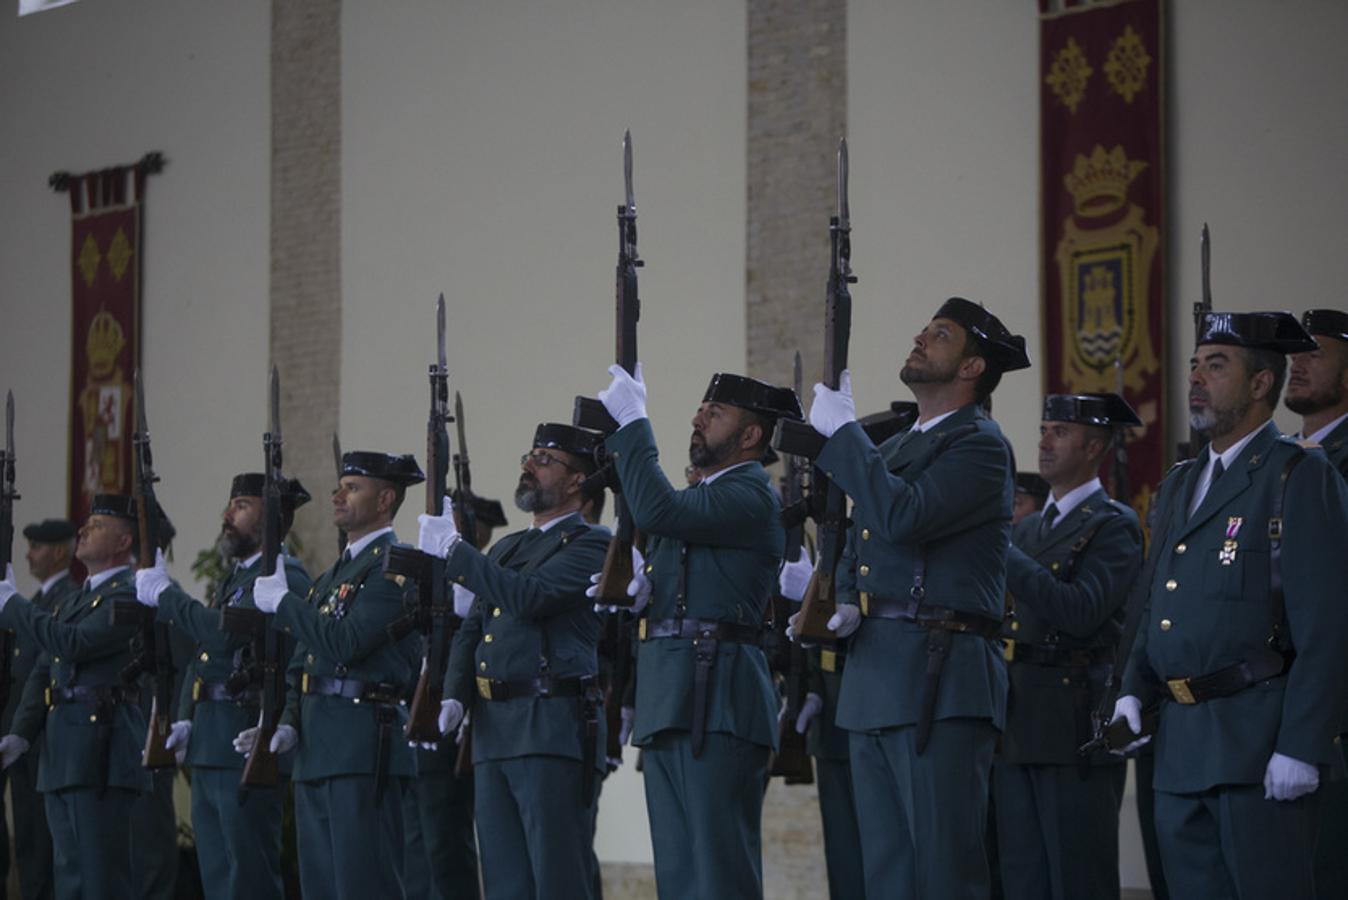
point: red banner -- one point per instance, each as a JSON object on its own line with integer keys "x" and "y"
{"x": 105, "y": 256}
{"x": 1103, "y": 206}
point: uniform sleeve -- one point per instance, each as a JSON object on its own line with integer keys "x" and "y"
{"x": 962, "y": 487}
{"x": 294, "y": 672}
{"x": 726, "y": 513}
{"x": 354, "y": 636}
{"x": 30, "y": 717}
{"x": 1099, "y": 586}
{"x": 556, "y": 587}
{"x": 845, "y": 575}
{"x": 90, "y": 638}
{"x": 459, "y": 673}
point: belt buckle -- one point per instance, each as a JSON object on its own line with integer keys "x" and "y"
{"x": 196, "y": 690}
{"x": 641, "y": 628}
{"x": 484, "y": 687}
{"x": 865, "y": 600}
{"x": 46, "y": 696}
{"x": 304, "y": 683}
{"x": 1179, "y": 689}
{"x": 828, "y": 660}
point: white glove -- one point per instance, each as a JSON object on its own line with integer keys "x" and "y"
{"x": 436, "y": 535}
{"x": 11, "y": 748}
{"x": 795, "y": 578}
{"x": 451, "y": 714}
{"x": 1287, "y": 778}
{"x": 8, "y": 589}
{"x": 463, "y": 601}
{"x": 179, "y": 732}
{"x": 244, "y": 740}
{"x": 284, "y": 739}
{"x": 1130, "y": 708}
{"x": 813, "y": 706}
{"x": 845, "y": 621}
{"x": 639, "y": 588}
{"x": 625, "y": 397}
{"x": 150, "y": 583}
{"x": 832, "y": 409}
{"x": 269, "y": 589}
{"x": 629, "y": 720}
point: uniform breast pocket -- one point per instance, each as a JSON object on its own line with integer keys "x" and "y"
{"x": 1237, "y": 574}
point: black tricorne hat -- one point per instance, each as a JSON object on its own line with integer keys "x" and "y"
{"x": 753, "y": 395}
{"x": 1001, "y": 348}
{"x": 1276, "y": 331}
{"x": 400, "y": 469}
{"x": 1089, "y": 409}
{"x": 569, "y": 438}
{"x": 252, "y": 484}
{"x": 119, "y": 506}
{"x": 1031, "y": 483}
{"x": 50, "y": 531}
{"x": 1326, "y": 322}
{"x": 489, "y": 512}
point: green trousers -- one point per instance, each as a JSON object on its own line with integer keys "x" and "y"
{"x": 1058, "y": 830}
{"x": 534, "y": 829}
{"x": 923, "y": 815}
{"x": 441, "y": 804}
{"x": 32, "y": 839}
{"x": 1229, "y": 842}
{"x": 238, "y": 843}
{"x": 706, "y": 815}
{"x": 842, "y": 836}
{"x": 1331, "y": 860}
{"x": 350, "y": 847}
{"x": 91, "y": 843}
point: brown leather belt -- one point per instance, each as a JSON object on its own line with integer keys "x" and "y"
{"x": 1227, "y": 681}
{"x": 352, "y": 689}
{"x": 928, "y": 615}
{"x": 222, "y": 692}
{"x": 690, "y": 629}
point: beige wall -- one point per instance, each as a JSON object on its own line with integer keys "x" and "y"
{"x": 481, "y": 158}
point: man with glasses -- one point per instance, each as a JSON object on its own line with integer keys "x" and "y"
{"x": 525, "y": 660}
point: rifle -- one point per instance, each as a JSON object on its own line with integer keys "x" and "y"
{"x": 828, "y": 502}
{"x": 154, "y": 655}
{"x": 467, "y": 525}
{"x": 337, "y": 460}
{"x": 591, "y": 414}
{"x": 1122, "y": 491}
{"x": 1190, "y": 448}
{"x": 270, "y": 649}
{"x": 792, "y": 760}
{"x": 8, "y": 495}
{"x": 427, "y": 570}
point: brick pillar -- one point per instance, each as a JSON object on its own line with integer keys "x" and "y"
{"x": 797, "y": 112}
{"x": 306, "y": 297}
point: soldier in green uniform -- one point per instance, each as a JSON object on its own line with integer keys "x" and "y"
{"x": 1070, "y": 570}
{"x": 51, "y": 550}
{"x": 1317, "y": 390}
{"x": 920, "y": 589}
{"x": 1241, "y": 641}
{"x": 706, "y": 708}
{"x": 525, "y": 661}
{"x": 1031, "y": 494}
{"x": 348, "y": 713}
{"x": 92, "y": 729}
{"x": 440, "y": 805}
{"x": 238, "y": 835}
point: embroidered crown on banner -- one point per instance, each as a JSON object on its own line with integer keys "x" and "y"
{"x": 1099, "y": 184}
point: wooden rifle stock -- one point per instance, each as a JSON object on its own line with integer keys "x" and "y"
{"x": 818, "y": 606}
{"x": 156, "y": 754}
{"x": 261, "y": 769}
{"x": 463, "y": 762}
{"x": 1119, "y": 734}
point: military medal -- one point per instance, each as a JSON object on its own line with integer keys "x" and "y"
{"x": 1227, "y": 555}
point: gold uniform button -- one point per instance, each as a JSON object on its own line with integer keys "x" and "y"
{"x": 55, "y": 659}
{"x": 1171, "y": 584}
{"x": 865, "y": 534}
{"x": 309, "y": 659}
{"x": 1165, "y": 624}
{"x": 1180, "y": 548}
{"x": 495, "y": 613}
{"x": 93, "y": 718}
{"x": 205, "y": 657}
{"x": 1066, "y": 680}
{"x": 864, "y": 570}
{"x": 482, "y": 666}
{"x": 487, "y": 638}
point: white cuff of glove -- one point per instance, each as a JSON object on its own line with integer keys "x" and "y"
{"x": 451, "y": 714}
{"x": 152, "y": 582}
{"x": 268, "y": 590}
{"x": 8, "y": 588}
{"x": 437, "y": 535}
{"x": 1286, "y": 778}
{"x": 795, "y": 578}
{"x": 284, "y": 739}
{"x": 1130, "y": 708}
{"x": 845, "y": 621}
{"x": 832, "y": 409}
{"x": 463, "y": 601}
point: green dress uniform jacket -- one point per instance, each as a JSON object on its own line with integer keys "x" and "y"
{"x": 218, "y": 654}
{"x": 1207, "y": 610}
{"x": 1209, "y": 607}
{"x": 950, "y": 490}
{"x": 732, "y": 530}
{"x": 1335, "y": 446}
{"x": 1043, "y": 725}
{"x": 531, "y": 618}
{"x": 80, "y": 647}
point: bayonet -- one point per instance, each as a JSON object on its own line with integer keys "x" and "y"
{"x": 337, "y": 462}
{"x": 1205, "y": 244}
{"x": 459, "y": 429}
